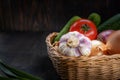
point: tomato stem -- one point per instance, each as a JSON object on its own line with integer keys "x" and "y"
{"x": 85, "y": 27}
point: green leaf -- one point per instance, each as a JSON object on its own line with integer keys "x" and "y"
{"x": 17, "y": 73}
{"x": 95, "y": 17}
{"x": 5, "y": 78}
{"x": 6, "y": 71}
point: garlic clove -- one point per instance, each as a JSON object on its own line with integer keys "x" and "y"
{"x": 72, "y": 52}
{"x": 85, "y": 51}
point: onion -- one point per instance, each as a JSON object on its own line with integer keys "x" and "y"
{"x": 104, "y": 35}
{"x": 97, "y": 48}
{"x": 113, "y": 43}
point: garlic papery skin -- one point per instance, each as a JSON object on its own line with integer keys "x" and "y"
{"x": 73, "y": 41}
{"x": 85, "y": 51}
{"x": 74, "y": 44}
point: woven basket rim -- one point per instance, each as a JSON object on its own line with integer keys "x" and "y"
{"x": 51, "y": 36}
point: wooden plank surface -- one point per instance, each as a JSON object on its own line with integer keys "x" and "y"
{"x": 50, "y": 15}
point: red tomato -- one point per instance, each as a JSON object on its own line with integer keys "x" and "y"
{"x": 86, "y": 27}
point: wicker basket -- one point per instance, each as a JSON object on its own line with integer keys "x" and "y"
{"x": 84, "y": 68}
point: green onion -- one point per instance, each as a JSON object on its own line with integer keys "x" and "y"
{"x": 20, "y": 75}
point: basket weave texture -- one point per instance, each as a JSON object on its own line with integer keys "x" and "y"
{"x": 105, "y": 67}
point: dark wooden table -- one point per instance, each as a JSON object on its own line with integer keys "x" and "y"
{"x": 27, "y": 51}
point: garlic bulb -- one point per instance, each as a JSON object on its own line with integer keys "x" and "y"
{"x": 74, "y": 44}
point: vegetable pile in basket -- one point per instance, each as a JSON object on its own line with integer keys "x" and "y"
{"x": 89, "y": 37}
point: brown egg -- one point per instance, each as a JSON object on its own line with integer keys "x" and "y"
{"x": 113, "y": 43}
{"x": 97, "y": 48}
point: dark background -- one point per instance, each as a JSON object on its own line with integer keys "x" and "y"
{"x": 24, "y": 25}
{"x": 50, "y": 15}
